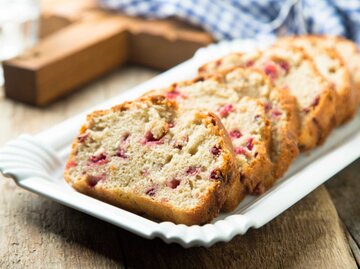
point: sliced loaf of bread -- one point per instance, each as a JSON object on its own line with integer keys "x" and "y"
{"x": 147, "y": 157}
{"x": 294, "y": 70}
{"x": 332, "y": 67}
{"x": 244, "y": 118}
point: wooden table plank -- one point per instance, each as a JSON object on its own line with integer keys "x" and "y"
{"x": 43, "y": 233}
{"x": 344, "y": 189}
{"x": 308, "y": 235}
{"x": 38, "y": 233}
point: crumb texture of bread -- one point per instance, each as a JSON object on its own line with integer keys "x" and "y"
{"x": 244, "y": 118}
{"x": 281, "y": 110}
{"x": 146, "y": 157}
{"x": 293, "y": 70}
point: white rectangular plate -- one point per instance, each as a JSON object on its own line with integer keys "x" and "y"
{"x": 36, "y": 163}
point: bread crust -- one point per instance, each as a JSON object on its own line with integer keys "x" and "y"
{"x": 207, "y": 208}
{"x": 288, "y": 135}
{"x": 235, "y": 192}
{"x": 257, "y": 175}
{"x": 319, "y": 122}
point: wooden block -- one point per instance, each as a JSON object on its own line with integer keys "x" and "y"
{"x": 52, "y": 24}
{"x": 81, "y": 43}
{"x": 65, "y": 61}
{"x": 164, "y": 44}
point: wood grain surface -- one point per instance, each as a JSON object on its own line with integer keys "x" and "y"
{"x": 39, "y": 233}
{"x": 344, "y": 189}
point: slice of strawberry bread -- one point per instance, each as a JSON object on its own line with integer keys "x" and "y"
{"x": 294, "y": 70}
{"x": 332, "y": 67}
{"x": 281, "y": 109}
{"x": 349, "y": 52}
{"x": 244, "y": 118}
{"x": 147, "y": 157}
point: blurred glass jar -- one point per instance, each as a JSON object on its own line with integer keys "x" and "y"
{"x": 19, "y": 24}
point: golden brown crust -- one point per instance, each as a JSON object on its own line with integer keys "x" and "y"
{"x": 319, "y": 122}
{"x": 156, "y": 210}
{"x": 210, "y": 204}
{"x": 258, "y": 174}
{"x": 235, "y": 190}
{"x": 286, "y": 136}
{"x": 345, "y": 105}
{"x": 284, "y": 141}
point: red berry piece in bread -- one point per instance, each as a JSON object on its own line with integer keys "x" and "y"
{"x": 173, "y": 183}
{"x": 173, "y": 95}
{"x": 240, "y": 150}
{"x": 316, "y": 101}
{"x": 215, "y": 150}
{"x": 268, "y": 106}
{"x": 216, "y": 174}
{"x": 92, "y": 181}
{"x": 250, "y": 143}
{"x": 151, "y": 191}
{"x": 270, "y": 70}
{"x": 249, "y": 63}
{"x": 121, "y": 153}
{"x": 275, "y": 113}
{"x": 235, "y": 134}
{"x": 151, "y": 140}
{"x": 193, "y": 170}
{"x": 284, "y": 66}
{"x": 70, "y": 163}
{"x": 99, "y": 159}
{"x": 225, "y": 110}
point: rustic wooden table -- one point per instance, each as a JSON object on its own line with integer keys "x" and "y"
{"x": 321, "y": 231}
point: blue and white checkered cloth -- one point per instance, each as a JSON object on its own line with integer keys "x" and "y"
{"x": 231, "y": 19}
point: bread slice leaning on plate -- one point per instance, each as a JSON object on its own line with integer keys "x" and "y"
{"x": 148, "y": 157}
